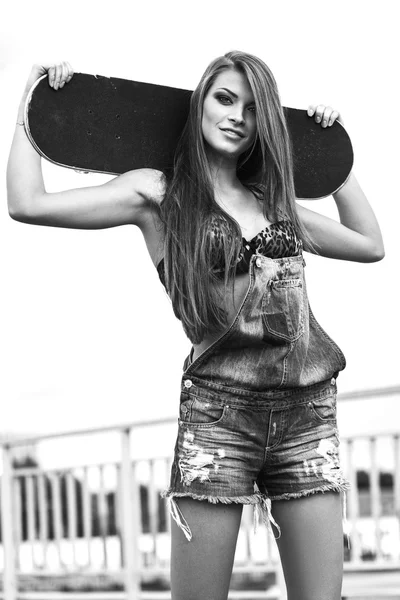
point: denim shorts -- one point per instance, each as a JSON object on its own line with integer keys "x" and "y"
{"x": 248, "y": 447}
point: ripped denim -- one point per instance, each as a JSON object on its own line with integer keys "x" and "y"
{"x": 253, "y": 448}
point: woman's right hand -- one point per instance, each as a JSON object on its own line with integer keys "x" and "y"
{"x": 58, "y": 73}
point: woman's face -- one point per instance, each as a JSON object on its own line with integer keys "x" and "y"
{"x": 229, "y": 120}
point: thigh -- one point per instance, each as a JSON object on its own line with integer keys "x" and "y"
{"x": 202, "y": 568}
{"x": 311, "y": 545}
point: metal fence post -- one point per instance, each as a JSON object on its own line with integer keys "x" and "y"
{"x": 129, "y": 541}
{"x": 7, "y": 522}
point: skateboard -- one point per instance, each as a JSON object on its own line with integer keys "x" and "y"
{"x": 109, "y": 125}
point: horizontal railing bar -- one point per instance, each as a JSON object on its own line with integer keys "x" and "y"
{"x": 79, "y": 596}
{"x": 151, "y": 570}
{"x": 24, "y": 441}
{"x": 373, "y": 593}
{"x": 361, "y": 394}
{"x": 370, "y": 567}
{"x": 343, "y": 396}
{"x": 64, "y": 574}
{"x": 349, "y": 567}
{"x": 39, "y": 438}
{"x": 26, "y": 471}
{"x": 272, "y": 594}
{"x": 371, "y": 435}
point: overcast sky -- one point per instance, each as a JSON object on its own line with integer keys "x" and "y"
{"x": 87, "y": 334}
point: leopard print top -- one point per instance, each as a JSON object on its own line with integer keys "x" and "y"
{"x": 277, "y": 240}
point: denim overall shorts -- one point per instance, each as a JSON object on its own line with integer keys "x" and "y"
{"x": 257, "y": 416}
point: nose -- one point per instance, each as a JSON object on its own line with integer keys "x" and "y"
{"x": 237, "y": 116}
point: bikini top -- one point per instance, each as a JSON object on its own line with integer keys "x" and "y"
{"x": 278, "y": 240}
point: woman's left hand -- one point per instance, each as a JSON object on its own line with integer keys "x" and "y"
{"x": 325, "y": 115}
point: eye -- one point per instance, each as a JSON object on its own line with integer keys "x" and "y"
{"x": 252, "y": 109}
{"x": 224, "y": 99}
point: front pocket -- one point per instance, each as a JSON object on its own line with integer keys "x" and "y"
{"x": 324, "y": 409}
{"x": 201, "y": 413}
{"x": 283, "y": 309}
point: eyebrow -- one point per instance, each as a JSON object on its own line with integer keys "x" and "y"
{"x": 229, "y": 91}
{"x": 233, "y": 94}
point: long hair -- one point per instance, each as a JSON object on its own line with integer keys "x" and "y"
{"x": 189, "y": 207}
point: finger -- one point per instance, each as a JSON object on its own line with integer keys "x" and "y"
{"x": 58, "y": 75}
{"x": 326, "y": 116}
{"x": 70, "y": 72}
{"x": 311, "y": 110}
{"x": 335, "y": 115}
{"x": 319, "y": 112}
{"x": 64, "y": 74}
{"x": 51, "y": 74}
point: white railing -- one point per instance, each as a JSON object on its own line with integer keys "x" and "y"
{"x": 59, "y": 521}
{"x": 109, "y": 517}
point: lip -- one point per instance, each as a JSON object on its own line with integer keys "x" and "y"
{"x": 234, "y": 132}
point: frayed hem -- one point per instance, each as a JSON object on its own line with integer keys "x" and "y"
{"x": 261, "y": 504}
{"x": 253, "y": 499}
{"x": 318, "y": 490}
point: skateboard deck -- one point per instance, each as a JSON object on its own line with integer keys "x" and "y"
{"x": 109, "y": 125}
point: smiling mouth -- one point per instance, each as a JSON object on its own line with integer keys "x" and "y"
{"x": 233, "y": 134}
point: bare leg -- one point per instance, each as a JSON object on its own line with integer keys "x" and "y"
{"x": 311, "y": 545}
{"x": 201, "y": 569}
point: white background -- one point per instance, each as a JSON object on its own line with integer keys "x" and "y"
{"x": 88, "y": 337}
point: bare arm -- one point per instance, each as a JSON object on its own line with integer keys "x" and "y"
{"x": 124, "y": 199}
{"x": 357, "y": 237}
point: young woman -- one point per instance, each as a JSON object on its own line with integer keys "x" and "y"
{"x": 258, "y": 399}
